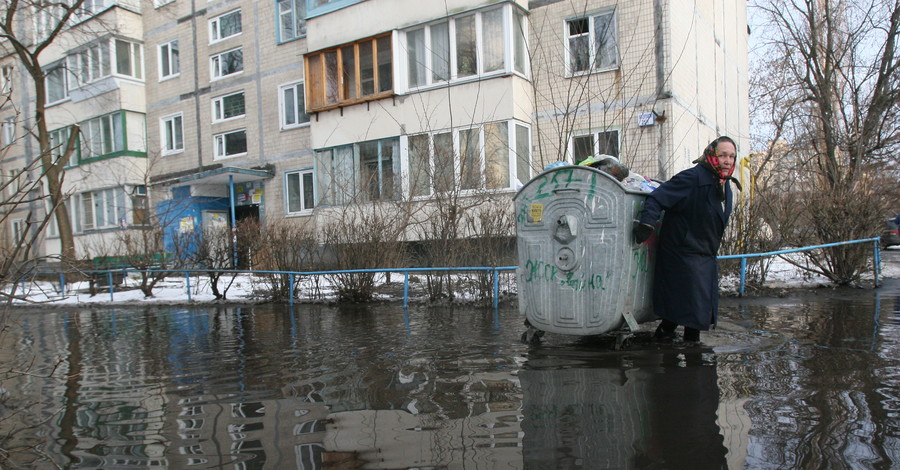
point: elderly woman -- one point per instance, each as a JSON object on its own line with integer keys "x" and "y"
{"x": 697, "y": 204}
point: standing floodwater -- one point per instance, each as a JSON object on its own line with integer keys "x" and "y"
{"x": 798, "y": 382}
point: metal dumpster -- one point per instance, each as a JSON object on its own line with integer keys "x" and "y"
{"x": 580, "y": 272}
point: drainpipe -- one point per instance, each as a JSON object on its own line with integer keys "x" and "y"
{"x": 234, "y": 260}
{"x": 661, "y": 92}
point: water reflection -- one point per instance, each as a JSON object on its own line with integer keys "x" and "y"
{"x": 652, "y": 408}
{"x": 804, "y": 382}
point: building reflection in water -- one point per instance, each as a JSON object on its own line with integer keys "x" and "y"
{"x": 812, "y": 383}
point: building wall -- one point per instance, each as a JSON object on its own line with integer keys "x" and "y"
{"x": 709, "y": 78}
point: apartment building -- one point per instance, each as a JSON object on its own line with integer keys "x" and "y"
{"x": 300, "y": 109}
{"x": 95, "y": 80}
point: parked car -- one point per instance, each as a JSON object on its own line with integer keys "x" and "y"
{"x": 891, "y": 235}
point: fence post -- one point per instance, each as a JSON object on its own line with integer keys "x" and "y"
{"x": 187, "y": 283}
{"x": 112, "y": 287}
{"x": 877, "y": 261}
{"x": 496, "y": 288}
{"x": 743, "y": 274}
{"x": 405, "y": 288}
{"x": 291, "y": 289}
{"x": 62, "y": 284}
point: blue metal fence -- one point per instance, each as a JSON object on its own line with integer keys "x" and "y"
{"x": 495, "y": 271}
{"x": 876, "y": 256}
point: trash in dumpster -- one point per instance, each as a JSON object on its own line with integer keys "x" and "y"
{"x": 579, "y": 271}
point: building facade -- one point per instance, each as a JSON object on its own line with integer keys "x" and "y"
{"x": 94, "y": 81}
{"x": 298, "y": 110}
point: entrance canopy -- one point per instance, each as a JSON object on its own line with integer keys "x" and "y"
{"x": 221, "y": 176}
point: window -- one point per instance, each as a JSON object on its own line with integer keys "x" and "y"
{"x": 485, "y": 157}
{"x": 59, "y": 139}
{"x": 18, "y": 231}
{"x": 129, "y": 59}
{"x": 230, "y": 144}
{"x": 227, "y": 63}
{"x": 591, "y": 43}
{"x": 55, "y": 83}
{"x": 293, "y": 106}
{"x": 9, "y": 131}
{"x": 351, "y": 73}
{"x": 94, "y": 62}
{"x": 140, "y": 209}
{"x": 103, "y": 135}
{"x": 225, "y": 26}
{"x": 89, "y": 65}
{"x": 228, "y": 107}
{"x": 477, "y": 41}
{"x": 367, "y": 171}
{"x": 46, "y": 16}
{"x": 172, "y": 134}
{"x": 169, "y": 63}
{"x": 91, "y": 7}
{"x": 596, "y": 143}
{"x": 291, "y": 19}
{"x": 100, "y": 209}
{"x": 299, "y": 195}
{"x": 6, "y": 78}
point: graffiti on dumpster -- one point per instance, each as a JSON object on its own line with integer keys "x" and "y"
{"x": 641, "y": 261}
{"x": 559, "y": 179}
{"x": 539, "y": 271}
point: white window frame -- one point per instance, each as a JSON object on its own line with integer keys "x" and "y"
{"x": 595, "y": 136}
{"x": 111, "y": 135}
{"x": 508, "y": 49}
{"x": 290, "y": 14}
{"x": 101, "y": 209}
{"x": 215, "y": 64}
{"x": 593, "y": 66}
{"x": 89, "y": 64}
{"x": 167, "y": 134}
{"x": 340, "y": 173}
{"x": 297, "y": 107}
{"x": 61, "y": 70}
{"x": 135, "y": 54}
{"x": 59, "y": 138}
{"x": 215, "y": 27}
{"x": 174, "y": 59}
{"x": 517, "y": 166}
{"x": 218, "y": 107}
{"x": 220, "y": 145}
{"x": 301, "y": 183}
{"x": 6, "y": 79}
{"x": 18, "y": 231}
{"x": 9, "y": 131}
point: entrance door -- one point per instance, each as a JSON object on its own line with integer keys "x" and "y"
{"x": 247, "y": 218}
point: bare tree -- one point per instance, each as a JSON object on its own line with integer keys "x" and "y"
{"x": 29, "y": 50}
{"x": 829, "y": 91}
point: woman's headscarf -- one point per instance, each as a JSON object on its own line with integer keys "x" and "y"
{"x": 710, "y": 161}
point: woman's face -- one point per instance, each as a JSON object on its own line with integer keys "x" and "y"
{"x": 726, "y": 153}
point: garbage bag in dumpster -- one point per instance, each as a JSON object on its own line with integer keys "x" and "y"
{"x": 580, "y": 272}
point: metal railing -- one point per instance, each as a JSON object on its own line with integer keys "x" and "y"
{"x": 876, "y": 256}
{"x": 495, "y": 271}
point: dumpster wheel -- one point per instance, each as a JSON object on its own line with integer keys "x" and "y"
{"x": 532, "y": 336}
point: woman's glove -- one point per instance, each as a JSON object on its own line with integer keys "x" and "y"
{"x": 642, "y": 232}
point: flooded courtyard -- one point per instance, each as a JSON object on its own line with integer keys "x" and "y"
{"x": 805, "y": 381}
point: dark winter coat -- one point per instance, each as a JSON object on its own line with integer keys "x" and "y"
{"x": 686, "y": 279}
